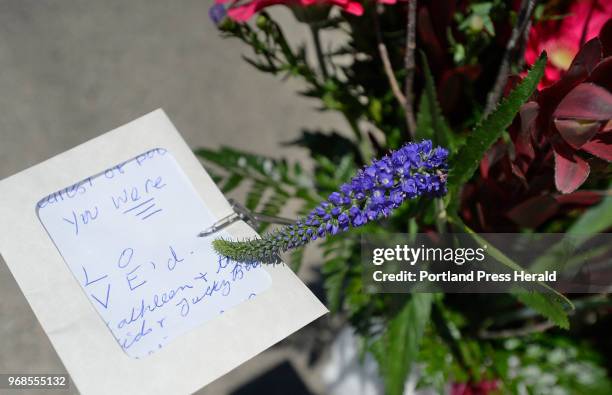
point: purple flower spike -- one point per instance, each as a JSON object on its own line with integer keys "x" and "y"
{"x": 415, "y": 170}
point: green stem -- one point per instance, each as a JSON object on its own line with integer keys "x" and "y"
{"x": 316, "y": 38}
{"x": 365, "y": 148}
{"x": 441, "y": 215}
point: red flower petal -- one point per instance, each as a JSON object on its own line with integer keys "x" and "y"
{"x": 571, "y": 171}
{"x": 353, "y": 7}
{"x": 577, "y": 133}
{"x": 600, "y": 146}
{"x": 586, "y": 101}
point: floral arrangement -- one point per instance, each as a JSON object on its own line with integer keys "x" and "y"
{"x": 517, "y": 99}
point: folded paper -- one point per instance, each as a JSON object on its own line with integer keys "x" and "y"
{"x": 137, "y": 197}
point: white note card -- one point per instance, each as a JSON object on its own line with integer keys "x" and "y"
{"x": 102, "y": 243}
{"x": 129, "y": 237}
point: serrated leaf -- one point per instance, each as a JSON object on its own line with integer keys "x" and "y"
{"x": 345, "y": 169}
{"x": 335, "y": 271}
{"x": 398, "y": 347}
{"x": 255, "y": 195}
{"x": 424, "y": 127}
{"x": 273, "y": 205}
{"x": 296, "y": 259}
{"x": 549, "y": 303}
{"x": 465, "y": 162}
{"x": 210, "y": 155}
{"x": 248, "y": 165}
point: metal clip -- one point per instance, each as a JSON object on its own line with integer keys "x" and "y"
{"x": 241, "y": 213}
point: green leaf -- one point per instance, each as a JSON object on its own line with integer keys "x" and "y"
{"x": 274, "y": 205}
{"x": 398, "y": 347}
{"x": 270, "y": 179}
{"x": 260, "y": 66}
{"x": 335, "y": 271}
{"x": 430, "y": 121}
{"x": 209, "y": 155}
{"x": 424, "y": 127}
{"x": 376, "y": 109}
{"x": 345, "y": 170}
{"x": 255, "y": 194}
{"x": 330, "y": 175}
{"x": 549, "y": 303}
{"x": 217, "y": 178}
{"x": 460, "y": 347}
{"x": 466, "y": 160}
{"x": 232, "y": 182}
{"x": 595, "y": 220}
{"x": 296, "y": 259}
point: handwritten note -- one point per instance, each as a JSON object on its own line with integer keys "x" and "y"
{"x": 129, "y": 237}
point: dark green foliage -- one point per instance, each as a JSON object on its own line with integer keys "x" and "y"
{"x": 430, "y": 121}
{"x": 398, "y": 347}
{"x": 271, "y": 183}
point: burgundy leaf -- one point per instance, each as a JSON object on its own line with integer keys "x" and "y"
{"x": 600, "y": 146}
{"x": 586, "y": 59}
{"x": 435, "y": 50}
{"x": 605, "y": 36}
{"x": 451, "y": 89}
{"x": 534, "y": 211}
{"x": 586, "y": 101}
{"x": 571, "y": 171}
{"x": 549, "y": 98}
{"x": 520, "y": 173}
{"x": 522, "y": 138}
{"x": 491, "y": 157}
{"x": 582, "y": 198}
{"x": 577, "y": 133}
{"x": 602, "y": 74}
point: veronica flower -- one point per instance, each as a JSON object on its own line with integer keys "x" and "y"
{"x": 416, "y": 169}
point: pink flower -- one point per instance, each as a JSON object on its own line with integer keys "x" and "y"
{"x": 562, "y": 39}
{"x": 243, "y": 10}
{"x": 485, "y": 387}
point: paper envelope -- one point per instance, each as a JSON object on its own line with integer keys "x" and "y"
{"x": 91, "y": 354}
